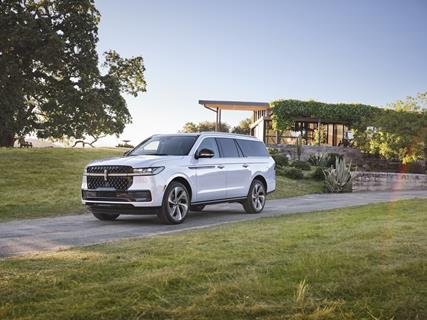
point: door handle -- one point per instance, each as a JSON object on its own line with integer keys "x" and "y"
{"x": 245, "y": 165}
{"x": 220, "y": 167}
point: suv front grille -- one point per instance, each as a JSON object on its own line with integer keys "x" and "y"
{"x": 107, "y": 181}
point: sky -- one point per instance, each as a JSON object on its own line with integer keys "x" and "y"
{"x": 372, "y": 52}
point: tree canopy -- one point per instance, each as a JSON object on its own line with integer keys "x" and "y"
{"x": 400, "y": 132}
{"x": 51, "y": 80}
{"x": 243, "y": 127}
{"x": 204, "y": 126}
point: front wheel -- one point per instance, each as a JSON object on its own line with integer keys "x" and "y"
{"x": 176, "y": 204}
{"x": 256, "y": 198}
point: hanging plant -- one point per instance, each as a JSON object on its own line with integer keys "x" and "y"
{"x": 357, "y": 116}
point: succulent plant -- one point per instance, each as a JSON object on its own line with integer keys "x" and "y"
{"x": 338, "y": 179}
{"x": 319, "y": 159}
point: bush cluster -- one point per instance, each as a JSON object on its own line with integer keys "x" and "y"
{"x": 280, "y": 159}
{"x": 292, "y": 173}
{"x": 318, "y": 174}
{"x": 299, "y": 164}
{"x": 414, "y": 167}
{"x": 125, "y": 145}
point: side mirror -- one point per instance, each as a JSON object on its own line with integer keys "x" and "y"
{"x": 126, "y": 153}
{"x": 204, "y": 153}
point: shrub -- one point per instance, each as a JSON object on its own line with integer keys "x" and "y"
{"x": 125, "y": 145}
{"x": 303, "y": 165}
{"x": 280, "y": 159}
{"x": 338, "y": 179}
{"x": 415, "y": 167}
{"x": 332, "y": 159}
{"x": 318, "y": 174}
{"x": 293, "y": 173}
{"x": 319, "y": 160}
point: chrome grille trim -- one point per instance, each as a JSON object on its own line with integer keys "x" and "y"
{"x": 119, "y": 178}
{"x": 114, "y": 174}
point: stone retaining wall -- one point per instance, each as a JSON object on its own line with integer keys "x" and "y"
{"x": 387, "y": 181}
{"x": 290, "y": 150}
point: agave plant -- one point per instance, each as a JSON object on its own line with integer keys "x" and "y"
{"x": 338, "y": 179}
{"x": 319, "y": 159}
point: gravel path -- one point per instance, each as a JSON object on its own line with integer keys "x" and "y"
{"x": 34, "y": 235}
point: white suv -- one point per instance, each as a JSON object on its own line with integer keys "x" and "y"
{"x": 171, "y": 174}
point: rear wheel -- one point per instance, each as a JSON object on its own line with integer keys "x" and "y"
{"x": 256, "y": 198}
{"x": 176, "y": 204}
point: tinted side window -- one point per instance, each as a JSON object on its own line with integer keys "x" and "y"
{"x": 210, "y": 143}
{"x": 252, "y": 148}
{"x": 228, "y": 148}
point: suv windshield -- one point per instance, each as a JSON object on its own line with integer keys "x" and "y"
{"x": 168, "y": 145}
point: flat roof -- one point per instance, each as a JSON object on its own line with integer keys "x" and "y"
{"x": 235, "y": 105}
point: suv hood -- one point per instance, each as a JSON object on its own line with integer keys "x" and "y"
{"x": 136, "y": 161}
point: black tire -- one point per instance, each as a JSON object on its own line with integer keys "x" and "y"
{"x": 256, "y": 198}
{"x": 198, "y": 207}
{"x": 175, "y": 205}
{"x": 104, "y": 216}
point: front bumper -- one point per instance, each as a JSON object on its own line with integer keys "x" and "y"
{"x": 145, "y": 191}
{"x": 117, "y": 196}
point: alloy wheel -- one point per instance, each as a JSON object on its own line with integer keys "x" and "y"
{"x": 258, "y": 196}
{"x": 178, "y": 203}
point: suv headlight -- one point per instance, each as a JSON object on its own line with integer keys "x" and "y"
{"x": 148, "y": 171}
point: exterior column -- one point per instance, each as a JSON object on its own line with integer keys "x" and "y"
{"x": 216, "y": 120}
{"x": 318, "y": 132}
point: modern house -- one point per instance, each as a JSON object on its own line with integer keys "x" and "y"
{"x": 330, "y": 133}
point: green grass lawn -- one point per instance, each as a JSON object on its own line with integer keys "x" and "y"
{"x": 46, "y": 182}
{"x": 359, "y": 263}
{"x": 286, "y": 187}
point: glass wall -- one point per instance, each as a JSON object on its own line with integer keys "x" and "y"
{"x": 330, "y": 133}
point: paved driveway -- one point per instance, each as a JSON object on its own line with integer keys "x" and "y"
{"x": 26, "y": 236}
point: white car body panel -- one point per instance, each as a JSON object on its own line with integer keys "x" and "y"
{"x": 208, "y": 182}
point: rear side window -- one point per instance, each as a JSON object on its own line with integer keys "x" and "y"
{"x": 252, "y": 148}
{"x": 228, "y": 148}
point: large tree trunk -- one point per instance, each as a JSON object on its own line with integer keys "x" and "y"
{"x": 7, "y": 138}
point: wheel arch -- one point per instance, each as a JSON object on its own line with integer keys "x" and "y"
{"x": 262, "y": 179}
{"x": 184, "y": 181}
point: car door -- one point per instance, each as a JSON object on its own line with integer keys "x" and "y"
{"x": 235, "y": 167}
{"x": 210, "y": 174}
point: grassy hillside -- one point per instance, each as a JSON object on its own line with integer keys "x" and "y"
{"x": 46, "y": 182}
{"x": 360, "y": 263}
{"x": 43, "y": 182}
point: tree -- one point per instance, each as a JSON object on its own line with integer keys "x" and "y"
{"x": 204, "y": 126}
{"x": 50, "y": 77}
{"x": 399, "y": 132}
{"x": 243, "y": 127}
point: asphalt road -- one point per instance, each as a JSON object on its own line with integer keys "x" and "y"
{"x": 46, "y": 234}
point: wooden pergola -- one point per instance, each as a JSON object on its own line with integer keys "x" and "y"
{"x": 218, "y": 106}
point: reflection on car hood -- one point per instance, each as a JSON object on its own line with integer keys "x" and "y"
{"x": 136, "y": 161}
